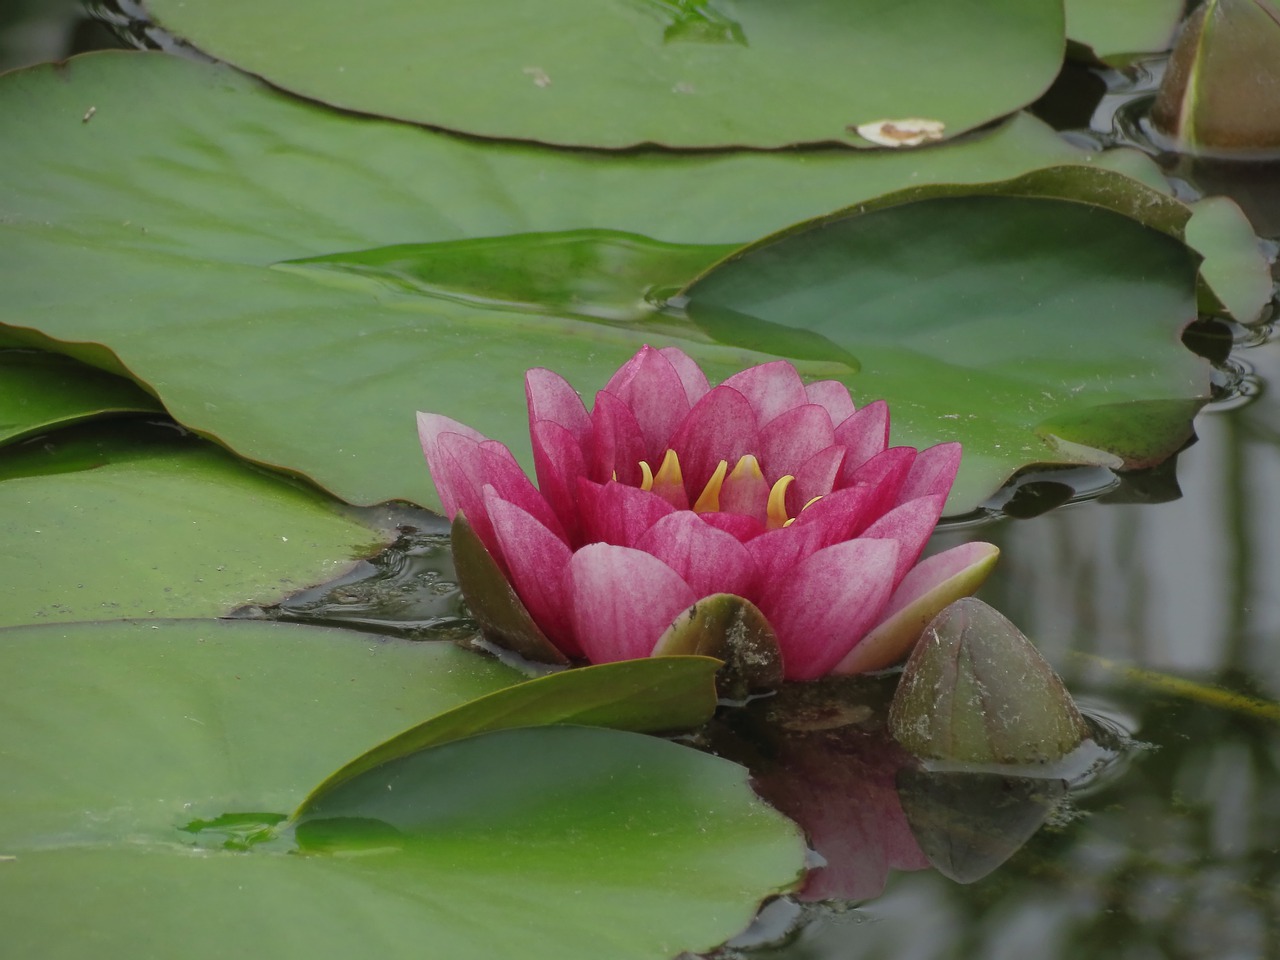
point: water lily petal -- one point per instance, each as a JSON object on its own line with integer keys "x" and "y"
{"x": 933, "y": 472}
{"x": 833, "y": 395}
{"x": 551, "y": 397}
{"x": 931, "y": 585}
{"x": 432, "y": 426}
{"x": 721, "y": 426}
{"x": 655, "y": 394}
{"x": 824, "y": 605}
{"x": 910, "y": 524}
{"x": 616, "y": 513}
{"x": 865, "y": 434}
{"x": 791, "y": 438}
{"x": 691, "y": 375}
{"x": 623, "y": 600}
{"x": 558, "y": 464}
{"x": 467, "y": 466}
{"x": 741, "y": 528}
{"x": 815, "y": 478}
{"x": 884, "y": 473}
{"x": 537, "y": 566}
{"x": 708, "y": 560}
{"x": 617, "y": 443}
{"x": 841, "y": 514}
{"x": 770, "y": 388}
{"x": 778, "y": 551}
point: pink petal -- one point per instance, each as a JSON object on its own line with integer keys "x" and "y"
{"x": 770, "y": 388}
{"x": 792, "y": 438}
{"x": 722, "y": 426}
{"x": 815, "y": 478}
{"x": 933, "y": 472}
{"x": 865, "y": 434}
{"x": 470, "y": 466}
{"x": 777, "y": 552}
{"x": 622, "y": 601}
{"x": 833, "y": 395}
{"x": 431, "y": 427}
{"x": 932, "y": 572}
{"x": 842, "y": 514}
{"x": 618, "y": 514}
{"x": 930, "y": 586}
{"x": 736, "y": 525}
{"x": 708, "y": 560}
{"x": 654, "y": 392}
{"x": 691, "y": 375}
{"x": 550, "y": 397}
{"x": 824, "y": 605}
{"x": 910, "y": 524}
{"x": 558, "y": 464}
{"x": 617, "y": 444}
{"x": 885, "y": 474}
{"x": 537, "y": 567}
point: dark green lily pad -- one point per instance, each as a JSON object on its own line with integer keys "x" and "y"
{"x": 616, "y": 73}
{"x": 44, "y": 391}
{"x": 142, "y": 523}
{"x": 664, "y": 694}
{"x": 153, "y": 228}
{"x": 1048, "y": 335}
{"x": 131, "y": 753}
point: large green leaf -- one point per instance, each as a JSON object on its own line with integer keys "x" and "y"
{"x": 135, "y": 524}
{"x": 123, "y": 748}
{"x": 152, "y": 227}
{"x": 617, "y": 73}
{"x": 44, "y": 391}
{"x": 1032, "y": 329}
{"x": 658, "y": 694}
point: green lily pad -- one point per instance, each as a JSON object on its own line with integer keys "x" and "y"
{"x": 132, "y": 753}
{"x": 44, "y": 391}
{"x": 135, "y": 524}
{"x": 1032, "y": 329}
{"x": 153, "y": 228}
{"x": 617, "y": 73}
{"x": 1118, "y": 32}
{"x": 660, "y": 694}
{"x": 1234, "y": 267}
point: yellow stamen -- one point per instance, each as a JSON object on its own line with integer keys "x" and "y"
{"x": 777, "y": 509}
{"x": 747, "y": 468}
{"x": 646, "y": 476}
{"x": 709, "y": 501}
{"x": 615, "y": 476}
{"x": 790, "y": 522}
{"x": 810, "y": 503}
{"x": 669, "y": 474}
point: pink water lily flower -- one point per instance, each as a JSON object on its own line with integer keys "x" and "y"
{"x": 669, "y": 490}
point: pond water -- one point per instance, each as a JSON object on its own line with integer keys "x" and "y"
{"x": 1158, "y": 601}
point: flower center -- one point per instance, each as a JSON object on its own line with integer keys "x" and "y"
{"x": 742, "y": 490}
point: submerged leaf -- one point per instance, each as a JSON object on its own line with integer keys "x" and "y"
{"x": 968, "y": 824}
